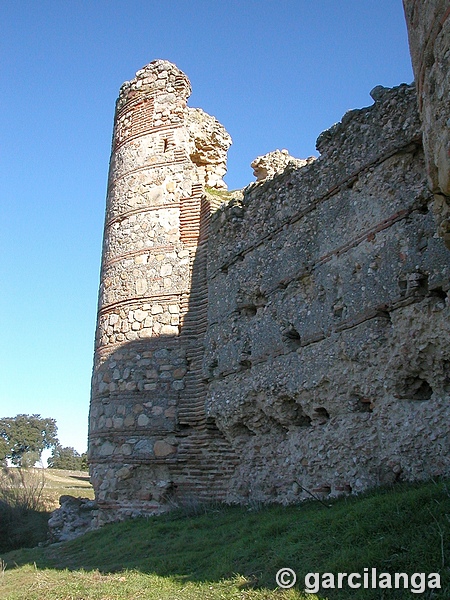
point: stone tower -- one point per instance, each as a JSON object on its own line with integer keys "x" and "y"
{"x": 429, "y": 33}
{"x": 150, "y": 443}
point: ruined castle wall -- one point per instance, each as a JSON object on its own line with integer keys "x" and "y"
{"x": 292, "y": 341}
{"x": 327, "y": 348}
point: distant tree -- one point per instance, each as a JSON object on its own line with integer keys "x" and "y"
{"x": 24, "y": 437}
{"x": 3, "y": 451}
{"x": 65, "y": 458}
{"x": 84, "y": 462}
{"x": 29, "y": 459}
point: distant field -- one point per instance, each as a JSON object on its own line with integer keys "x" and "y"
{"x": 28, "y": 496}
{"x": 58, "y": 482}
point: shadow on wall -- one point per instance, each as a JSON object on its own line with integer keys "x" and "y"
{"x": 150, "y": 443}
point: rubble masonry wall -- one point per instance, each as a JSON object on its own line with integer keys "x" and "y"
{"x": 327, "y": 352}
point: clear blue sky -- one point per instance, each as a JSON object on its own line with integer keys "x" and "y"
{"x": 275, "y": 73}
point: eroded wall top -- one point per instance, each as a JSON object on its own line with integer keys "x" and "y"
{"x": 274, "y": 163}
{"x": 160, "y": 92}
{"x": 159, "y": 76}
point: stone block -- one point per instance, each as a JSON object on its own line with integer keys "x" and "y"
{"x": 162, "y": 449}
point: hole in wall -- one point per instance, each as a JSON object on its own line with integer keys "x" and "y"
{"x": 351, "y": 182}
{"x": 423, "y": 209}
{"x": 321, "y": 414}
{"x": 418, "y": 283}
{"x": 343, "y": 488}
{"x": 414, "y": 388}
{"x": 291, "y": 334}
{"x": 362, "y": 404}
{"x": 245, "y": 363}
{"x": 438, "y": 292}
{"x": 292, "y": 337}
{"x": 248, "y": 311}
{"x": 383, "y": 313}
{"x": 338, "y": 311}
{"x": 413, "y": 284}
{"x": 291, "y": 412}
{"x": 248, "y": 303}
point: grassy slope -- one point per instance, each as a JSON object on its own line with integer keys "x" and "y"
{"x": 224, "y": 551}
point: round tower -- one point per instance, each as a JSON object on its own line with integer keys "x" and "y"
{"x": 147, "y": 395}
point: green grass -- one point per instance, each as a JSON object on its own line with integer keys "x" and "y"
{"x": 234, "y": 553}
{"x": 222, "y": 193}
{"x": 218, "y": 197}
